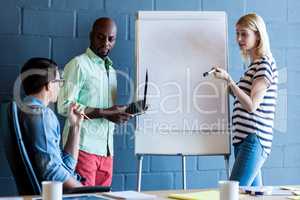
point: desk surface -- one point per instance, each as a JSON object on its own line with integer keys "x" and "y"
{"x": 162, "y": 195}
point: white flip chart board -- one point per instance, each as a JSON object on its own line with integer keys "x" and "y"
{"x": 188, "y": 113}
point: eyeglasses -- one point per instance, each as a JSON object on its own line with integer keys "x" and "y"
{"x": 59, "y": 81}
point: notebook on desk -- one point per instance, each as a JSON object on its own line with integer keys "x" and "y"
{"x": 204, "y": 195}
{"x": 130, "y": 195}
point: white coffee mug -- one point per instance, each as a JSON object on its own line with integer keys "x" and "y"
{"x": 52, "y": 190}
{"x": 229, "y": 190}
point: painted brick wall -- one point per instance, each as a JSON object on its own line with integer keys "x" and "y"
{"x": 59, "y": 29}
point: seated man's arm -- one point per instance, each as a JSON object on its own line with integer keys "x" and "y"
{"x": 42, "y": 133}
{"x": 72, "y": 144}
{"x": 71, "y": 183}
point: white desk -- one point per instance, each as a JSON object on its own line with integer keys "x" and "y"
{"x": 163, "y": 195}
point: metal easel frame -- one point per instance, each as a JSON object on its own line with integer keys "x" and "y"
{"x": 183, "y": 163}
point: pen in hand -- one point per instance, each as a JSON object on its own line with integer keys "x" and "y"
{"x": 209, "y": 72}
{"x": 82, "y": 115}
{"x": 85, "y": 116}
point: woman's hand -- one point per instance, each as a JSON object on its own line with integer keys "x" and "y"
{"x": 75, "y": 117}
{"x": 221, "y": 74}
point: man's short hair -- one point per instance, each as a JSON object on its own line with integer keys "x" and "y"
{"x": 100, "y": 21}
{"x": 36, "y": 73}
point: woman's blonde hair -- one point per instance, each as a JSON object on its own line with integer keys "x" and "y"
{"x": 256, "y": 23}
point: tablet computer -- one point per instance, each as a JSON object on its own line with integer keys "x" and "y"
{"x": 139, "y": 107}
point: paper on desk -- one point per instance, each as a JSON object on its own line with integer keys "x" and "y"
{"x": 294, "y": 197}
{"x": 295, "y": 190}
{"x": 129, "y": 195}
{"x": 205, "y": 195}
{"x": 290, "y": 187}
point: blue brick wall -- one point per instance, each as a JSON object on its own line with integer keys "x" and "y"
{"x": 59, "y": 29}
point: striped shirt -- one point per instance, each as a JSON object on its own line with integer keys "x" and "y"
{"x": 259, "y": 122}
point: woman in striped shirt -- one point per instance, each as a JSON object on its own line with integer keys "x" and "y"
{"x": 255, "y": 99}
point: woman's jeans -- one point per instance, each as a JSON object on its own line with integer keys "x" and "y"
{"x": 249, "y": 158}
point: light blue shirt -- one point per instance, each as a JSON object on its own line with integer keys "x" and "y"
{"x": 41, "y": 134}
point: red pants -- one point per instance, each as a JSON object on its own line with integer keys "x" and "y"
{"x": 97, "y": 170}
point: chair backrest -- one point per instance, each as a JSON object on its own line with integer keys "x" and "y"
{"x": 16, "y": 154}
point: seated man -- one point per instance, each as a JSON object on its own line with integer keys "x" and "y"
{"x": 40, "y": 126}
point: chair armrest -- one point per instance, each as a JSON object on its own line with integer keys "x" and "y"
{"x": 87, "y": 189}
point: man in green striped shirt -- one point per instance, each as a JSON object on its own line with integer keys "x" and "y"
{"x": 90, "y": 81}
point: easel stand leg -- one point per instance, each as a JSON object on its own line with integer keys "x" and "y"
{"x": 139, "y": 175}
{"x": 184, "y": 172}
{"x": 226, "y": 158}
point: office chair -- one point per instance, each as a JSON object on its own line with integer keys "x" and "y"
{"x": 18, "y": 159}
